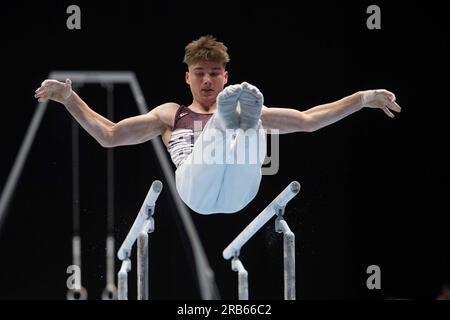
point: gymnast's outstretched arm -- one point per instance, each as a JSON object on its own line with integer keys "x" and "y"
{"x": 129, "y": 131}
{"x": 291, "y": 120}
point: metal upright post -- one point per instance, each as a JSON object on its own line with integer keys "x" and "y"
{"x": 237, "y": 266}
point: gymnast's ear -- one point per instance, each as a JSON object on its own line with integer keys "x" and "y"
{"x": 186, "y": 77}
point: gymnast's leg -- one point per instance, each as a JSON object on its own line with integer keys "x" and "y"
{"x": 242, "y": 176}
{"x": 223, "y": 173}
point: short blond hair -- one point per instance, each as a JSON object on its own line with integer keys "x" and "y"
{"x": 206, "y": 48}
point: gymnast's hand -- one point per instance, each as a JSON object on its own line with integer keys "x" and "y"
{"x": 381, "y": 99}
{"x": 54, "y": 90}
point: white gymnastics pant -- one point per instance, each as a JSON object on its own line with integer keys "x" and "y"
{"x": 223, "y": 172}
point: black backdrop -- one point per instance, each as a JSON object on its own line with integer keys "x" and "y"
{"x": 373, "y": 188}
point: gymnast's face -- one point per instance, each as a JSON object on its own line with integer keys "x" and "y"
{"x": 206, "y": 80}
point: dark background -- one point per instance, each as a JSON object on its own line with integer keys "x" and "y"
{"x": 374, "y": 189}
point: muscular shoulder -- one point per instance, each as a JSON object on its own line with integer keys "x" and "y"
{"x": 166, "y": 112}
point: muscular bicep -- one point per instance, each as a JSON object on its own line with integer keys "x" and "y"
{"x": 136, "y": 129}
{"x": 144, "y": 127}
{"x": 284, "y": 120}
